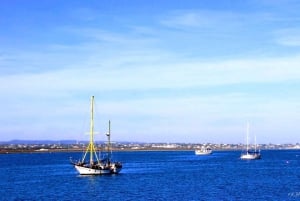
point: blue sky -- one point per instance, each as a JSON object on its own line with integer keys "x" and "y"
{"x": 161, "y": 71}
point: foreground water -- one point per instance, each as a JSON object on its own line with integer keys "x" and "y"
{"x": 166, "y": 175}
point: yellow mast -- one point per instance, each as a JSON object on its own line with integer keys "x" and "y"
{"x": 91, "y": 146}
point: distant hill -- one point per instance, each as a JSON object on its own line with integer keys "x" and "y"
{"x": 51, "y": 142}
{"x": 40, "y": 142}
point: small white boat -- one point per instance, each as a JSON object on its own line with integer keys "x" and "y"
{"x": 250, "y": 154}
{"x": 97, "y": 166}
{"x": 203, "y": 151}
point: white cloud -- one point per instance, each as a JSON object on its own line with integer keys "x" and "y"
{"x": 162, "y": 75}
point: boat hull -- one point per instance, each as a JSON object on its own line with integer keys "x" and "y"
{"x": 201, "y": 152}
{"x": 250, "y": 156}
{"x": 96, "y": 171}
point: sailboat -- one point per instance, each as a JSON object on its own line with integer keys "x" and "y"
{"x": 250, "y": 154}
{"x": 95, "y": 166}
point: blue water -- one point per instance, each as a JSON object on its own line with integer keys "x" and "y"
{"x": 165, "y": 175}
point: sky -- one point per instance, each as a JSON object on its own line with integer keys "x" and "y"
{"x": 193, "y": 71}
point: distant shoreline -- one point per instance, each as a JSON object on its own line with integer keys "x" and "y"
{"x": 13, "y": 151}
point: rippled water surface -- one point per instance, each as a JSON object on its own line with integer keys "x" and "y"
{"x": 154, "y": 175}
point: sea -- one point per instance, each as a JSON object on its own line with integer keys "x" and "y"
{"x": 154, "y": 175}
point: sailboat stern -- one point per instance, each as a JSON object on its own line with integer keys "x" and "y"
{"x": 116, "y": 167}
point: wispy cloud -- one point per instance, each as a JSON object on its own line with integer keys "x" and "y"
{"x": 213, "y": 19}
{"x": 288, "y": 37}
{"x": 164, "y": 75}
{"x": 53, "y": 90}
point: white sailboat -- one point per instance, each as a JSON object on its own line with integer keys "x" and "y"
{"x": 95, "y": 166}
{"x": 250, "y": 154}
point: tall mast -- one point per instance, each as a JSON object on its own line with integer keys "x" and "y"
{"x": 247, "y": 139}
{"x": 255, "y": 143}
{"x": 91, "y": 147}
{"x": 92, "y": 131}
{"x": 108, "y": 138}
